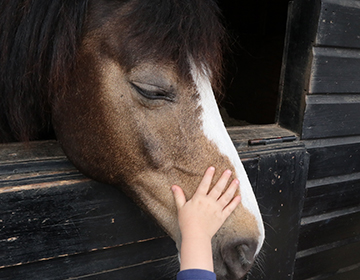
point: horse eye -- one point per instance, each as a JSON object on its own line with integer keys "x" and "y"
{"x": 154, "y": 94}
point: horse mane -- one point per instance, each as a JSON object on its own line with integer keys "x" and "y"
{"x": 176, "y": 30}
{"x": 39, "y": 41}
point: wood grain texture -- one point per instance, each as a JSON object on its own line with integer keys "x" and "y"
{"x": 331, "y": 116}
{"x": 331, "y": 195}
{"x": 339, "y": 25}
{"x": 327, "y": 261}
{"x": 333, "y": 160}
{"x": 325, "y": 229}
{"x": 334, "y": 71}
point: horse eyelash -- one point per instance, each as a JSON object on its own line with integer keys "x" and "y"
{"x": 154, "y": 95}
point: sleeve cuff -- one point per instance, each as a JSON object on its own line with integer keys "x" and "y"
{"x": 196, "y": 274}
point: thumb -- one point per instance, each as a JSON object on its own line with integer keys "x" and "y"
{"x": 179, "y": 196}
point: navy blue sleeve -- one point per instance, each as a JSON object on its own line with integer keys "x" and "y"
{"x": 196, "y": 274}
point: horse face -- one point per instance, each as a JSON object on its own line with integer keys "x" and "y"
{"x": 150, "y": 128}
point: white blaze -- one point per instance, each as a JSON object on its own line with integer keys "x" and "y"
{"x": 214, "y": 129}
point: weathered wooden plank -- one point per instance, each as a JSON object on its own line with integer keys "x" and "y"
{"x": 335, "y": 71}
{"x": 155, "y": 257}
{"x": 333, "y": 159}
{"x": 148, "y": 270}
{"x": 332, "y": 195}
{"x": 331, "y": 116}
{"x": 324, "y": 229}
{"x": 67, "y": 217}
{"x": 35, "y": 150}
{"x": 327, "y": 262}
{"x": 339, "y": 24}
{"x": 348, "y": 273}
{"x": 300, "y": 38}
{"x": 280, "y": 193}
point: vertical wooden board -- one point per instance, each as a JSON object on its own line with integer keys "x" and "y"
{"x": 339, "y": 24}
{"x": 281, "y": 186}
{"x": 300, "y": 37}
{"x": 251, "y": 167}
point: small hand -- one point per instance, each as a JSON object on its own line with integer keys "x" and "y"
{"x": 205, "y": 212}
{"x": 202, "y": 216}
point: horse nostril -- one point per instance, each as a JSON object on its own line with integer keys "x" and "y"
{"x": 238, "y": 257}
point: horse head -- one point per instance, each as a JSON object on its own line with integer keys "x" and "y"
{"x": 139, "y": 108}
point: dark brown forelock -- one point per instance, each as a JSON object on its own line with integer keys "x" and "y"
{"x": 176, "y": 30}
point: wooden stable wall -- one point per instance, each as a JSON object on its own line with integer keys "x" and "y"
{"x": 321, "y": 102}
{"x": 57, "y": 224}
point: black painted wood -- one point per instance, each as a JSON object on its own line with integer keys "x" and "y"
{"x": 320, "y": 101}
{"x": 339, "y": 25}
{"x": 334, "y": 160}
{"x": 56, "y": 224}
{"x": 341, "y": 111}
{"x": 330, "y": 196}
{"x": 327, "y": 261}
{"x": 335, "y": 71}
{"x": 280, "y": 193}
{"x": 348, "y": 273}
{"x": 140, "y": 260}
{"x": 326, "y": 229}
{"x": 300, "y": 38}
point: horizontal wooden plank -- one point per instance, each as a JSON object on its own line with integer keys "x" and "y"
{"x": 329, "y": 229}
{"x": 335, "y": 71}
{"x": 331, "y": 116}
{"x": 34, "y": 150}
{"x": 339, "y": 24}
{"x": 348, "y": 273}
{"x": 327, "y": 261}
{"x": 70, "y": 217}
{"x": 157, "y": 270}
{"x": 333, "y": 159}
{"x": 332, "y": 196}
{"x": 155, "y": 256}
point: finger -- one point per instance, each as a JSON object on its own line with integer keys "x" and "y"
{"x": 220, "y": 185}
{"x": 179, "y": 196}
{"x": 206, "y": 181}
{"x": 231, "y": 206}
{"x": 228, "y": 195}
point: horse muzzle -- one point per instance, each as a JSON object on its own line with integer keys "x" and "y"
{"x": 234, "y": 259}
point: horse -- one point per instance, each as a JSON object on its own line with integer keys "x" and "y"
{"x": 128, "y": 89}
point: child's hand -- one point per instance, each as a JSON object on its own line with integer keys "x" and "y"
{"x": 202, "y": 216}
{"x": 205, "y": 212}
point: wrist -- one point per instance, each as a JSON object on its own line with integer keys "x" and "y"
{"x": 196, "y": 252}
